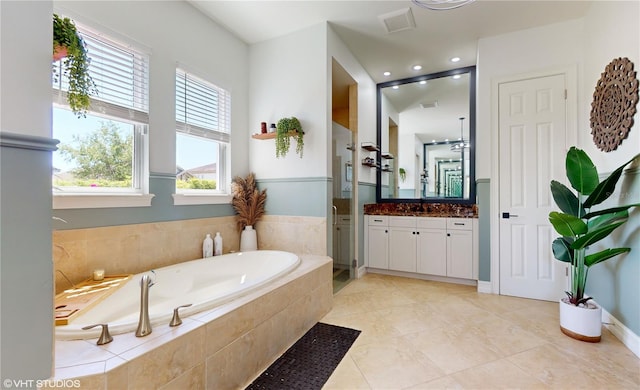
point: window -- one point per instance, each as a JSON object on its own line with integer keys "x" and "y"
{"x": 203, "y": 129}
{"x": 104, "y": 152}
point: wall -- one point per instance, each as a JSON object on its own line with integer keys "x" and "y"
{"x": 583, "y": 48}
{"x": 365, "y": 177}
{"x": 25, "y": 194}
{"x": 616, "y": 283}
{"x": 220, "y": 58}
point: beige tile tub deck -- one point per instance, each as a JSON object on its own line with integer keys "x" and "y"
{"x": 223, "y": 348}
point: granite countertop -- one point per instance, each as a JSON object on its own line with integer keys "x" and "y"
{"x": 423, "y": 209}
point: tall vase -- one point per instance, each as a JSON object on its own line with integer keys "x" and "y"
{"x": 248, "y": 239}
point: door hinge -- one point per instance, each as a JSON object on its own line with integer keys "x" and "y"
{"x": 565, "y": 94}
{"x": 354, "y": 263}
{"x": 566, "y": 271}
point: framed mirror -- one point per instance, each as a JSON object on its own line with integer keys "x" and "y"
{"x": 426, "y": 134}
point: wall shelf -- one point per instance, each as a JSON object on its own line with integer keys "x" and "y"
{"x": 271, "y": 135}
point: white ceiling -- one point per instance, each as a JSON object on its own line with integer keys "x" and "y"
{"x": 438, "y": 36}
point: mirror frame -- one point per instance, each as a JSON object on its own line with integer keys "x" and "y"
{"x": 471, "y": 70}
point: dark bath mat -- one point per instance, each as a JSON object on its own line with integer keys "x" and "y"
{"x": 309, "y": 362}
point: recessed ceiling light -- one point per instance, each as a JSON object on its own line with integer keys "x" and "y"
{"x": 417, "y": 67}
{"x": 423, "y": 82}
{"x": 456, "y": 76}
{"x": 395, "y": 87}
{"x": 455, "y": 59}
{"x": 387, "y": 73}
{"x": 433, "y": 140}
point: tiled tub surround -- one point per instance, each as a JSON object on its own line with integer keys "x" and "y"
{"x": 223, "y": 348}
{"x": 130, "y": 249}
{"x": 423, "y": 209}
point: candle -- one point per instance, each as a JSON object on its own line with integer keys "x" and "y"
{"x": 98, "y": 274}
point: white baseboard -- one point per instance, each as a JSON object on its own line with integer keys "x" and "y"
{"x": 624, "y": 334}
{"x": 360, "y": 272}
{"x": 485, "y": 287}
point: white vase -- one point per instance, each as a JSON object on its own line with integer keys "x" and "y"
{"x": 581, "y": 323}
{"x": 248, "y": 239}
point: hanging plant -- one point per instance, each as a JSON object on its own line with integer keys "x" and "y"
{"x": 289, "y": 127}
{"x": 69, "y": 48}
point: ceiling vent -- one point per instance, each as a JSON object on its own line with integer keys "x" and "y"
{"x": 399, "y": 20}
{"x": 432, "y": 104}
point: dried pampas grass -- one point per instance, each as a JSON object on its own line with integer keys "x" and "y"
{"x": 248, "y": 201}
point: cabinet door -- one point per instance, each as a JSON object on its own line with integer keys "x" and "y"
{"x": 432, "y": 251}
{"x": 460, "y": 254}
{"x": 378, "y": 247}
{"x": 402, "y": 249}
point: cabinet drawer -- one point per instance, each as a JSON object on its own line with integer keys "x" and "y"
{"x": 409, "y": 222}
{"x": 459, "y": 223}
{"x": 378, "y": 220}
{"x": 431, "y": 223}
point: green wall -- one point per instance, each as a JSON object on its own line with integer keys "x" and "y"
{"x": 484, "y": 235}
{"x": 615, "y": 284}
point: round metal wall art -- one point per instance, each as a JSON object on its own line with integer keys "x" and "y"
{"x": 614, "y": 104}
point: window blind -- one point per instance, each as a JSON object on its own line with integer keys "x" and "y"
{"x": 202, "y": 108}
{"x": 121, "y": 76}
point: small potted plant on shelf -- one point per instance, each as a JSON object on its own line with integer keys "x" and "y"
{"x": 403, "y": 174}
{"x": 580, "y": 228}
{"x": 248, "y": 202}
{"x": 69, "y": 48}
{"x": 289, "y": 127}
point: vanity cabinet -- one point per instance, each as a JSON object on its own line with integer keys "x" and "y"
{"x": 377, "y": 242}
{"x": 424, "y": 245}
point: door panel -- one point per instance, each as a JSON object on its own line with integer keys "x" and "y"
{"x": 532, "y": 131}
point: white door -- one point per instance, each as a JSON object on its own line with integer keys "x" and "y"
{"x": 532, "y": 131}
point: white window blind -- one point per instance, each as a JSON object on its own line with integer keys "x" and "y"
{"x": 121, "y": 75}
{"x": 202, "y": 108}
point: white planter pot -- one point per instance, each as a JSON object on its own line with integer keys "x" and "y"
{"x": 581, "y": 323}
{"x": 248, "y": 239}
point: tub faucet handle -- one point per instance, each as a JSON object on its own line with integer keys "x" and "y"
{"x": 105, "y": 337}
{"x": 175, "y": 321}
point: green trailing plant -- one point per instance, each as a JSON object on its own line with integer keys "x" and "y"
{"x": 578, "y": 225}
{"x": 403, "y": 174}
{"x": 286, "y": 128}
{"x": 75, "y": 65}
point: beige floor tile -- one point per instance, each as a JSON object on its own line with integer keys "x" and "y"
{"x": 452, "y": 348}
{"x": 391, "y": 364}
{"x": 419, "y": 334}
{"x": 561, "y": 369}
{"x": 446, "y": 382}
{"x": 346, "y": 376}
{"x": 499, "y": 374}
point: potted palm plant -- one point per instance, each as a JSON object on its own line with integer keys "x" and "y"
{"x": 289, "y": 127}
{"x": 69, "y": 48}
{"x": 580, "y": 228}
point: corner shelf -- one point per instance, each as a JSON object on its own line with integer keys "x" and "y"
{"x": 387, "y": 156}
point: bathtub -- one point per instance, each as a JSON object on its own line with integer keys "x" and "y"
{"x": 203, "y": 283}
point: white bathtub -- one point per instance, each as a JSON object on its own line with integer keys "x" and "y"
{"x": 204, "y": 283}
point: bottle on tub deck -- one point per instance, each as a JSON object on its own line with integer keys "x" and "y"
{"x": 217, "y": 244}
{"x": 207, "y": 246}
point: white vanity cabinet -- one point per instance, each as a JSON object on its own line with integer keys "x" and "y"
{"x": 377, "y": 242}
{"x": 444, "y": 247}
{"x": 432, "y": 246}
{"x": 402, "y": 244}
{"x": 460, "y": 248}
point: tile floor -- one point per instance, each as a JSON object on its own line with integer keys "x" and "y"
{"x": 427, "y": 335}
